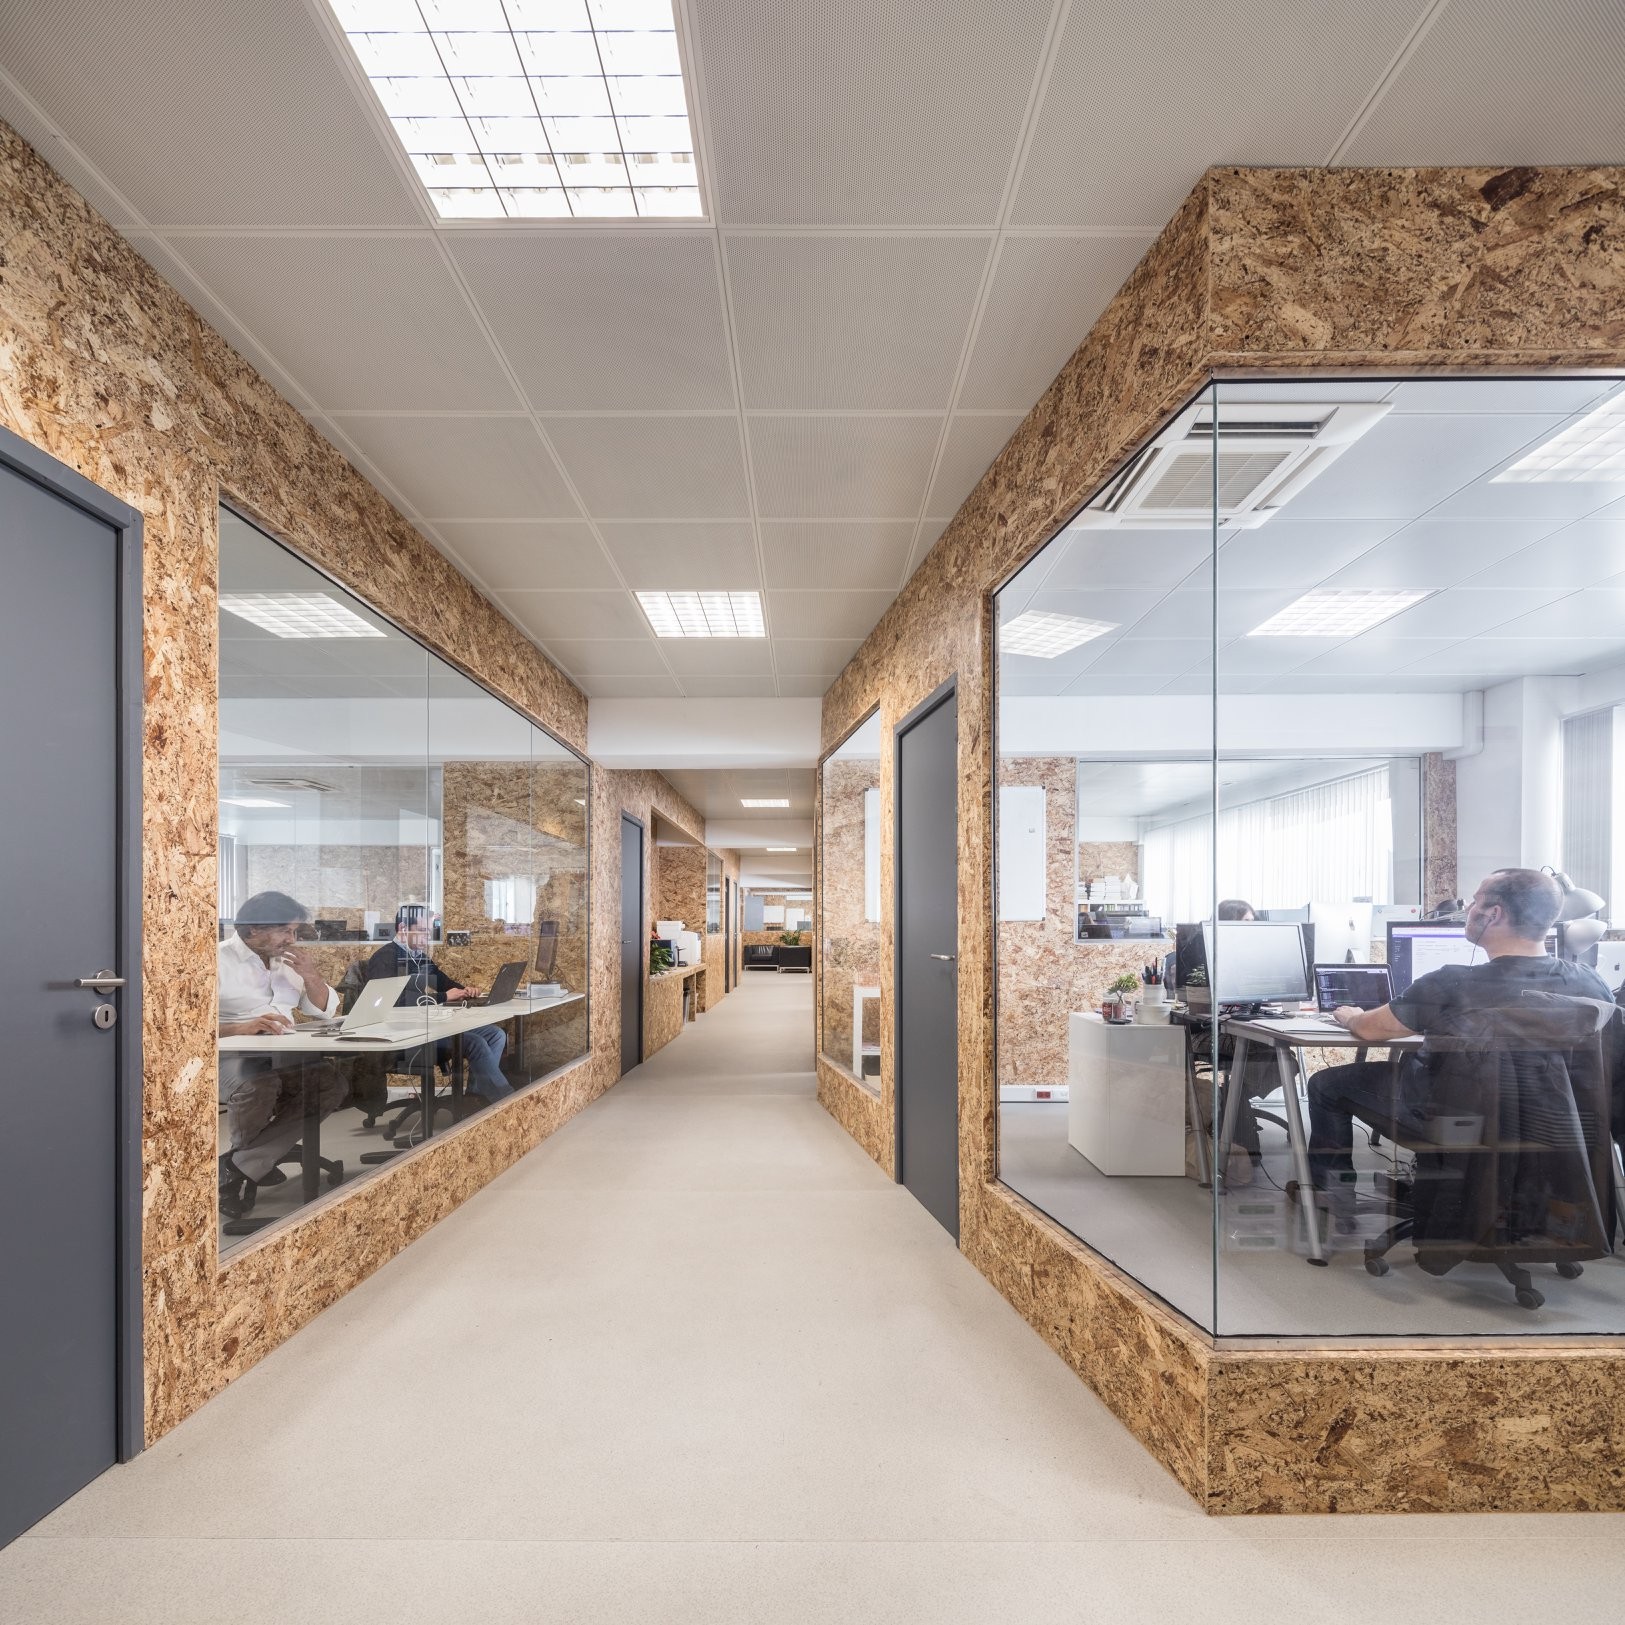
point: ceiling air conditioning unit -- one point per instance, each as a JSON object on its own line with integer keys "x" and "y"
{"x": 1266, "y": 454}
{"x": 292, "y": 784}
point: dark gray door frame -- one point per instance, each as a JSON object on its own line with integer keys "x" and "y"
{"x": 643, "y": 870}
{"x": 43, "y": 470}
{"x": 940, "y": 695}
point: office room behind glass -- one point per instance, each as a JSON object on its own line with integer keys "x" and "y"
{"x": 395, "y": 845}
{"x": 1388, "y": 662}
{"x": 852, "y": 904}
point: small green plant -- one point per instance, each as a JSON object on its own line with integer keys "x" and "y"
{"x": 1125, "y": 985}
{"x": 659, "y": 960}
{"x": 791, "y": 939}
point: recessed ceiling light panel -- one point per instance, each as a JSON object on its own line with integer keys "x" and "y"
{"x": 1045, "y": 635}
{"x": 298, "y": 615}
{"x": 704, "y": 614}
{"x": 1335, "y": 614}
{"x": 745, "y": 802}
{"x": 781, "y": 849}
{"x": 252, "y": 801}
{"x": 534, "y": 109}
{"x": 1591, "y": 450}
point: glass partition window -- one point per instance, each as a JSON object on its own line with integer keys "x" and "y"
{"x": 402, "y": 884}
{"x": 1310, "y": 858}
{"x": 713, "y": 893}
{"x": 851, "y": 905}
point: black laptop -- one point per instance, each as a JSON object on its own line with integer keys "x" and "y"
{"x": 503, "y": 988}
{"x": 1367, "y": 987}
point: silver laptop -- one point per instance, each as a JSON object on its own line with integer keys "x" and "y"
{"x": 374, "y": 1005}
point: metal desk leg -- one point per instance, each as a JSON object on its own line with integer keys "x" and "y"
{"x": 1233, "y": 1091}
{"x": 310, "y": 1139}
{"x": 426, "y": 1115}
{"x": 1287, "y": 1063}
{"x": 1204, "y": 1168}
{"x": 1619, "y": 1184}
{"x": 459, "y": 1082}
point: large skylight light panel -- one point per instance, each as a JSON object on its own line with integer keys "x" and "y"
{"x": 498, "y": 100}
{"x": 1591, "y": 450}
{"x": 298, "y": 615}
{"x": 704, "y": 614}
{"x": 1336, "y": 614}
{"x": 759, "y": 801}
{"x": 1045, "y": 634}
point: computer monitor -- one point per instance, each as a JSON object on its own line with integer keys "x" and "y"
{"x": 1416, "y": 947}
{"x": 1342, "y": 932}
{"x": 1255, "y": 960}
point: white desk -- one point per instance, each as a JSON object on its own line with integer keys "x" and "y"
{"x": 860, "y": 996}
{"x": 1126, "y": 1096}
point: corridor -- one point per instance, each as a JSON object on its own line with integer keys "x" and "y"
{"x": 696, "y": 1359}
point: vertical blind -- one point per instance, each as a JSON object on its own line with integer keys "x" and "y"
{"x": 1588, "y": 811}
{"x": 1329, "y": 842}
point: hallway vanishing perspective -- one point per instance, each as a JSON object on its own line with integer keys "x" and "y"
{"x": 696, "y": 1358}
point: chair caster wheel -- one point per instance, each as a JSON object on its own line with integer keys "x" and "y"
{"x": 335, "y": 1172}
{"x": 1376, "y": 1266}
{"x": 1528, "y": 1298}
{"x": 1570, "y": 1272}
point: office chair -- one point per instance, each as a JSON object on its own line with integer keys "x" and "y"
{"x": 1539, "y": 1184}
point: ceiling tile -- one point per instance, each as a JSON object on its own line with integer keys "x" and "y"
{"x": 654, "y": 687}
{"x": 1082, "y": 561}
{"x": 465, "y": 468}
{"x": 1256, "y": 657}
{"x": 204, "y": 114}
{"x": 1501, "y": 659}
{"x": 718, "y": 657}
{"x": 1047, "y": 293}
{"x": 815, "y": 656}
{"x": 871, "y": 323}
{"x": 685, "y": 555}
{"x": 1128, "y": 656}
{"x": 654, "y": 467}
{"x": 842, "y": 467}
{"x": 1286, "y": 553}
{"x": 1373, "y": 655}
{"x": 813, "y": 614}
{"x": 1436, "y": 553}
{"x": 851, "y": 113}
{"x": 605, "y": 657}
{"x": 1463, "y": 613}
{"x": 1503, "y": 82}
{"x": 803, "y": 685}
{"x": 1581, "y": 555}
{"x": 836, "y": 552}
{"x": 364, "y": 323}
{"x": 1594, "y": 613}
{"x": 972, "y": 444}
{"x": 548, "y": 615}
{"x": 531, "y": 553}
{"x": 604, "y": 321}
{"x": 1520, "y": 396}
{"x": 1141, "y": 99}
{"x": 746, "y": 686}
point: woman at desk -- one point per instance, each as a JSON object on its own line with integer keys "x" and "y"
{"x": 408, "y": 956}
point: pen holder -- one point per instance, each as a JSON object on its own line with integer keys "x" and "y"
{"x": 1152, "y": 993}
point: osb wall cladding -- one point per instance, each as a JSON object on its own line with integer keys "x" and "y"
{"x": 106, "y": 368}
{"x": 1261, "y": 270}
{"x": 851, "y": 942}
{"x": 680, "y": 885}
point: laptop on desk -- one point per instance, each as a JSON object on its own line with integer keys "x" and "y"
{"x": 502, "y": 989}
{"x": 1367, "y": 987}
{"x": 374, "y": 1004}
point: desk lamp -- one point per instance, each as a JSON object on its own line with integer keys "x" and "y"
{"x": 1583, "y": 930}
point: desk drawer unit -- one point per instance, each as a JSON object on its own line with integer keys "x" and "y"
{"x": 1126, "y": 1111}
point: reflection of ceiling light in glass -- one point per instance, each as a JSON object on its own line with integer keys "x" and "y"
{"x": 781, "y": 849}
{"x": 530, "y": 109}
{"x": 1591, "y": 449}
{"x": 748, "y": 803}
{"x": 704, "y": 614}
{"x": 251, "y": 801}
{"x": 1335, "y": 614}
{"x": 1038, "y": 632}
{"x": 298, "y": 615}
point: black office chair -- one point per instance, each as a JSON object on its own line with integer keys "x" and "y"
{"x": 1537, "y": 1186}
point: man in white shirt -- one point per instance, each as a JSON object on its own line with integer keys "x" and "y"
{"x": 262, "y": 978}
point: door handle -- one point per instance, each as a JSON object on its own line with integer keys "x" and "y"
{"x": 949, "y": 957}
{"x": 104, "y": 981}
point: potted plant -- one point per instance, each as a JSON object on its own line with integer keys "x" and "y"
{"x": 659, "y": 959}
{"x": 1123, "y": 989}
{"x": 791, "y": 939}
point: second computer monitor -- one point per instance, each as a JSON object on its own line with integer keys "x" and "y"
{"x": 1251, "y": 961}
{"x": 1417, "y": 946}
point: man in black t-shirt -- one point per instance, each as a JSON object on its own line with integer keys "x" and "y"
{"x": 1508, "y": 918}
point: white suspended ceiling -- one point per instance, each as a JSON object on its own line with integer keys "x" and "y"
{"x": 918, "y": 210}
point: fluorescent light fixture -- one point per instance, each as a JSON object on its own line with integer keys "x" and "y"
{"x": 534, "y": 109}
{"x": 1336, "y": 614}
{"x": 704, "y": 614}
{"x": 251, "y": 801}
{"x": 781, "y": 849}
{"x": 298, "y": 615}
{"x": 779, "y": 803}
{"x": 1046, "y": 635}
{"x": 1591, "y": 450}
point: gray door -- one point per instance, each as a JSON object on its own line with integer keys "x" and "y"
{"x": 727, "y": 936}
{"x": 633, "y": 946}
{"x": 60, "y": 1176}
{"x": 927, "y": 1037}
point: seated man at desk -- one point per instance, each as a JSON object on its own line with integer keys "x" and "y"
{"x": 408, "y": 955}
{"x": 1508, "y": 918}
{"x": 262, "y": 978}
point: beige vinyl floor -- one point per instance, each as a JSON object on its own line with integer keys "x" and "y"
{"x": 696, "y": 1359}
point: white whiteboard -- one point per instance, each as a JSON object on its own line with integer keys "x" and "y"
{"x": 773, "y": 914}
{"x": 1021, "y": 852}
{"x": 871, "y": 855}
